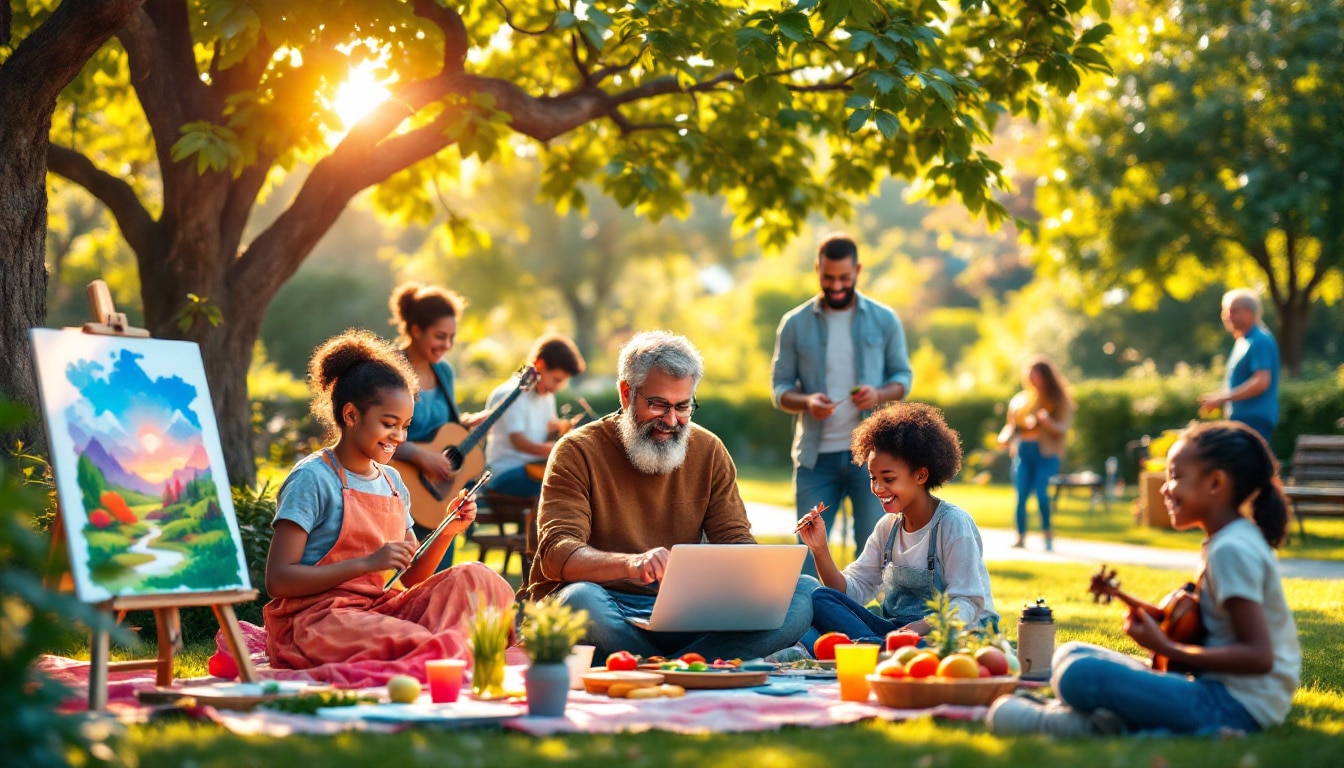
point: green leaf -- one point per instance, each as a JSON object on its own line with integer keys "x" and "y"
{"x": 860, "y": 39}
{"x": 794, "y": 26}
{"x": 565, "y": 20}
{"x": 1095, "y": 34}
{"x": 858, "y": 119}
{"x": 857, "y": 101}
{"x": 834, "y": 11}
{"x": 1102, "y": 7}
{"x": 884, "y": 81}
{"x": 887, "y": 124}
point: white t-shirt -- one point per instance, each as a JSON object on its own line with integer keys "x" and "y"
{"x": 961, "y": 561}
{"x": 841, "y": 376}
{"x": 1239, "y": 563}
{"x": 530, "y": 414}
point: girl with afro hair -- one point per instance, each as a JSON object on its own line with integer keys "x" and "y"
{"x": 922, "y": 546}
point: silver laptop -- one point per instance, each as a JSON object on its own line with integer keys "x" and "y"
{"x": 725, "y": 587}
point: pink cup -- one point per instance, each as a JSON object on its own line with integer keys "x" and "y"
{"x": 445, "y": 679}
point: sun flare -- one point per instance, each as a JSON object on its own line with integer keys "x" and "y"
{"x": 151, "y": 442}
{"x": 360, "y": 93}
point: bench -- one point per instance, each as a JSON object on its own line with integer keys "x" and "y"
{"x": 1316, "y": 483}
{"x": 1086, "y": 479}
{"x": 504, "y": 512}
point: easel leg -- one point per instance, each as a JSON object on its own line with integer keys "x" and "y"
{"x": 169, "y": 622}
{"x": 228, "y": 620}
{"x": 98, "y": 652}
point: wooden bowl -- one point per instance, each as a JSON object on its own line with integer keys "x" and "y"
{"x": 921, "y": 693}
{"x": 600, "y": 679}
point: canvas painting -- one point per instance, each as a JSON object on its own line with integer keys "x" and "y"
{"x": 138, "y": 465}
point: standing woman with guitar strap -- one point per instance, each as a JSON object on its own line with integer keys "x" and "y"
{"x": 527, "y": 432}
{"x": 1246, "y": 671}
{"x": 426, "y": 318}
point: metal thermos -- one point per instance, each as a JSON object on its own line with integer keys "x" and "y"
{"x": 1036, "y": 641}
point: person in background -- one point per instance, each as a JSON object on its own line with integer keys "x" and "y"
{"x": 1251, "y": 392}
{"x": 837, "y": 357}
{"x": 343, "y": 524}
{"x": 1038, "y": 423}
{"x": 1246, "y": 670}
{"x": 426, "y": 318}
{"x": 527, "y": 431}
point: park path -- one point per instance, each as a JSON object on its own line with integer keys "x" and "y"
{"x": 772, "y": 520}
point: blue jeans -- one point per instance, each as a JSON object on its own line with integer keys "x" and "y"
{"x": 610, "y": 632}
{"x": 835, "y": 477}
{"x": 1088, "y": 677}
{"x": 834, "y": 611}
{"x": 1031, "y": 474}
{"x": 515, "y": 482}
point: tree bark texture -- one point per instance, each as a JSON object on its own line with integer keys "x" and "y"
{"x": 30, "y": 80}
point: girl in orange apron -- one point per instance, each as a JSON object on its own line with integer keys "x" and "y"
{"x": 333, "y": 618}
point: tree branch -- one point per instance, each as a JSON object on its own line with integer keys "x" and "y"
{"x": 456, "y": 41}
{"x": 508, "y": 19}
{"x": 136, "y": 225}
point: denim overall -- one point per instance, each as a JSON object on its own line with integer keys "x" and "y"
{"x": 908, "y": 589}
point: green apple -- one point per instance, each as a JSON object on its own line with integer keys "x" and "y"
{"x": 1014, "y": 666}
{"x": 403, "y": 689}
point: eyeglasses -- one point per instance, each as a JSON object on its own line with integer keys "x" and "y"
{"x": 658, "y": 407}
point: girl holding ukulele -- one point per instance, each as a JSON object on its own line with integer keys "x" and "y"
{"x": 1247, "y": 670}
{"x": 343, "y": 523}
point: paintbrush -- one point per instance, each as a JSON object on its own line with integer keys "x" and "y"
{"x": 811, "y": 515}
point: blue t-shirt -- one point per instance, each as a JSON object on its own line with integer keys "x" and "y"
{"x": 1256, "y": 351}
{"x": 311, "y": 498}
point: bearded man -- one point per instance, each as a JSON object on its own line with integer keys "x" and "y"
{"x": 620, "y": 492}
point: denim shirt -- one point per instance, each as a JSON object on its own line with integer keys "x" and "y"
{"x": 881, "y": 358}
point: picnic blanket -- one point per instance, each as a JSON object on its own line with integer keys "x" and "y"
{"x": 122, "y": 685}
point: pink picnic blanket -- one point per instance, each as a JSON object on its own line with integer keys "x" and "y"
{"x": 122, "y": 686}
{"x": 730, "y": 711}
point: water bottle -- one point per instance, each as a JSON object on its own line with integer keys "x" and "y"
{"x": 1112, "y": 469}
{"x": 1036, "y": 641}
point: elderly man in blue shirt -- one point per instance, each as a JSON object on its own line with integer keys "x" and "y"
{"x": 837, "y": 357}
{"x": 1251, "y": 391}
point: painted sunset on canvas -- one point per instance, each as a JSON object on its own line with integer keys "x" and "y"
{"x": 138, "y": 465}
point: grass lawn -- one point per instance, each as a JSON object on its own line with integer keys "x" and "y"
{"x": 1312, "y": 736}
{"x": 993, "y": 505}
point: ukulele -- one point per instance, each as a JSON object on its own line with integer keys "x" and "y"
{"x": 429, "y": 498}
{"x": 1177, "y": 613}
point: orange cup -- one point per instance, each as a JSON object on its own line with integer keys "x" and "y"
{"x": 853, "y": 664}
{"x": 445, "y": 679}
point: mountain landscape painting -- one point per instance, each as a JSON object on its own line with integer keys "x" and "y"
{"x": 138, "y": 466}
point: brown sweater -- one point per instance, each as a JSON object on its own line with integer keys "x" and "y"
{"x": 592, "y": 495}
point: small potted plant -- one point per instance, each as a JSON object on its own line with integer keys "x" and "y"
{"x": 549, "y": 632}
{"x": 490, "y": 629}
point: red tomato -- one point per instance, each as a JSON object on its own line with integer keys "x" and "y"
{"x": 691, "y": 658}
{"x": 901, "y": 638}
{"x": 622, "y": 660}
{"x": 824, "y": 648}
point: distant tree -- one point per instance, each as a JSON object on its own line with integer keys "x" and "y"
{"x": 651, "y": 101}
{"x": 1215, "y": 155}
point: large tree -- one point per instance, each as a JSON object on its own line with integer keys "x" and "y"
{"x": 783, "y": 108}
{"x": 32, "y": 75}
{"x": 1215, "y": 155}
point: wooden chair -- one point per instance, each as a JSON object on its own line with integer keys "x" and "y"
{"x": 1316, "y": 484}
{"x": 510, "y": 517}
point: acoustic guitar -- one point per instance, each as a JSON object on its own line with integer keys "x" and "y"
{"x": 429, "y": 499}
{"x": 1177, "y": 613}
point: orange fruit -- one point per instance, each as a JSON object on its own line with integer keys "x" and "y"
{"x": 890, "y": 668}
{"x": 958, "y": 665}
{"x": 923, "y": 664}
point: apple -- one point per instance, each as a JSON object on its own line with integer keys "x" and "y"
{"x": 993, "y": 659}
{"x": 824, "y": 648}
{"x": 403, "y": 689}
{"x": 901, "y": 638}
{"x": 904, "y": 655}
{"x": 890, "y": 668}
{"x": 922, "y": 664}
{"x": 622, "y": 661}
{"x": 1014, "y": 666}
{"x": 222, "y": 665}
{"x": 984, "y": 671}
{"x": 958, "y": 665}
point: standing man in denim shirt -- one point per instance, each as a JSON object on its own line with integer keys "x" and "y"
{"x": 837, "y": 356}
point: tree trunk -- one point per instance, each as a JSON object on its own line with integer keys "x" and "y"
{"x": 30, "y": 80}
{"x": 1294, "y": 312}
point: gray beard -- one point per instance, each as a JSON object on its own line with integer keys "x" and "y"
{"x": 648, "y": 455}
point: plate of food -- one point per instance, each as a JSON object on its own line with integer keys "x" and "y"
{"x": 807, "y": 669}
{"x": 716, "y": 678}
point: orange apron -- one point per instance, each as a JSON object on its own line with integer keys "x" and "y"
{"x": 357, "y": 623}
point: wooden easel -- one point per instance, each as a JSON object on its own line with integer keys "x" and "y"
{"x": 166, "y": 607}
